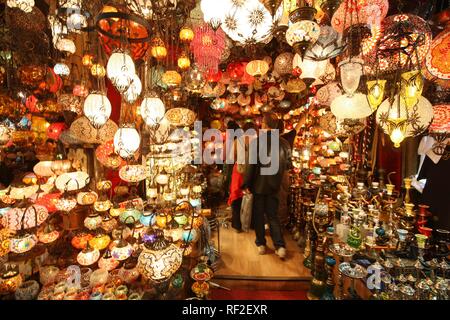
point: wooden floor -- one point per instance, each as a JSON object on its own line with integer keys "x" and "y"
{"x": 240, "y": 258}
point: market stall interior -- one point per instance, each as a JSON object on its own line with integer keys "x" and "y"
{"x": 119, "y": 178}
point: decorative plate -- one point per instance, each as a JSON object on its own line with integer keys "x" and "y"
{"x": 82, "y": 129}
{"x": 180, "y": 117}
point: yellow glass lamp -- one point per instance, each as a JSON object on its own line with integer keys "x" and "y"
{"x": 184, "y": 62}
{"x": 412, "y": 87}
{"x": 186, "y": 34}
{"x": 375, "y": 92}
{"x": 100, "y": 241}
{"x": 158, "y": 50}
{"x": 98, "y": 71}
{"x": 257, "y": 68}
{"x": 397, "y": 130}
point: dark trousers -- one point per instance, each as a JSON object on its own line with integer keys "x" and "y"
{"x": 236, "y": 214}
{"x": 265, "y": 205}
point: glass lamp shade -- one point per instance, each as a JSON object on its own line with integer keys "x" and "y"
{"x": 186, "y": 34}
{"x": 326, "y": 94}
{"x": 189, "y": 234}
{"x": 248, "y": 22}
{"x": 61, "y": 166}
{"x": 310, "y": 69}
{"x": 351, "y": 72}
{"x": 328, "y": 45}
{"x": 19, "y": 193}
{"x": 353, "y": 107}
{"x": 396, "y": 129}
{"x": 441, "y": 119}
{"x": 100, "y": 241}
{"x": 102, "y": 205}
{"x": 184, "y": 191}
{"x": 97, "y": 109}
{"x": 72, "y": 181}
{"x": 162, "y": 179}
{"x": 134, "y": 90}
{"x": 61, "y": 69}
{"x": 370, "y": 12}
{"x": 436, "y": 61}
{"x": 152, "y": 192}
{"x": 130, "y": 216}
{"x": 257, "y": 68}
{"x": 405, "y": 40}
{"x": 22, "y": 243}
{"x": 375, "y": 92}
{"x": 66, "y": 45}
{"x": 412, "y": 87}
{"x": 148, "y": 218}
{"x": 98, "y": 71}
{"x": 171, "y": 78}
{"x": 87, "y": 198}
{"x": 126, "y": 141}
{"x": 214, "y": 11}
{"x": 25, "y": 218}
{"x": 71, "y": 102}
{"x": 421, "y": 115}
{"x": 196, "y": 220}
{"x": 109, "y": 224}
{"x": 208, "y": 47}
{"x": 152, "y": 110}
{"x": 160, "y": 259}
{"x": 162, "y": 219}
{"x": 194, "y": 80}
{"x": 121, "y": 250}
{"x": 88, "y": 256}
{"x": 93, "y": 222}
{"x": 158, "y": 50}
{"x": 174, "y": 233}
{"x": 120, "y": 70}
{"x": 302, "y": 34}
{"x": 81, "y": 240}
{"x": 184, "y": 62}
{"x": 283, "y": 63}
{"x": 107, "y": 261}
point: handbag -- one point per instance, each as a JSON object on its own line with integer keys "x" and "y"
{"x": 246, "y": 211}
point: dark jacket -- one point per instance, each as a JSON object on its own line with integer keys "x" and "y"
{"x": 268, "y": 184}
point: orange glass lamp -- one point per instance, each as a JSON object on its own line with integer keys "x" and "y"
{"x": 158, "y": 49}
{"x": 186, "y": 34}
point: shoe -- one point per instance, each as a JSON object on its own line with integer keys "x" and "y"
{"x": 237, "y": 230}
{"x": 261, "y": 250}
{"x": 281, "y": 252}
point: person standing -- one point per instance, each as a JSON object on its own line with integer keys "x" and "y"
{"x": 228, "y": 167}
{"x": 237, "y": 177}
{"x": 265, "y": 188}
